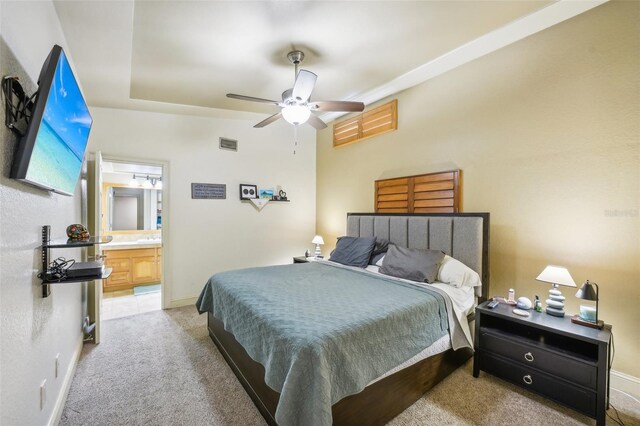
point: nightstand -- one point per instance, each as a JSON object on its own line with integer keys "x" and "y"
{"x": 551, "y": 356}
{"x": 302, "y": 259}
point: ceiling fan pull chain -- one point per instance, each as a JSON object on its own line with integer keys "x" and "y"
{"x": 295, "y": 139}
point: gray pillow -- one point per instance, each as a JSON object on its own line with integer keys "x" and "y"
{"x": 353, "y": 251}
{"x": 412, "y": 264}
{"x": 379, "y": 250}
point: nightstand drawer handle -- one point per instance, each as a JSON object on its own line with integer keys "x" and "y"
{"x": 527, "y": 379}
{"x": 528, "y": 356}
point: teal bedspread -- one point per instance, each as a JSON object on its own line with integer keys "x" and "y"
{"x": 322, "y": 332}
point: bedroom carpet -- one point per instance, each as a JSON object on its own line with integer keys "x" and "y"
{"x": 161, "y": 368}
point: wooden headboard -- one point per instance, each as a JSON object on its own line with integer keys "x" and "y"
{"x": 428, "y": 193}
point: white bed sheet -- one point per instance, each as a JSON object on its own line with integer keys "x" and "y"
{"x": 463, "y": 300}
{"x": 439, "y": 346}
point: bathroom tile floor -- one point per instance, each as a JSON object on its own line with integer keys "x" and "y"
{"x": 124, "y": 303}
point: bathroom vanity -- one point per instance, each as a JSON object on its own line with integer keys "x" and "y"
{"x": 133, "y": 217}
{"x": 132, "y": 264}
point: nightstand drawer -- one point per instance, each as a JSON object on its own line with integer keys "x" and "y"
{"x": 574, "y": 370}
{"x": 544, "y": 384}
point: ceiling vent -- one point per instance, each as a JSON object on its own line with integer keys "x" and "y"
{"x": 228, "y": 144}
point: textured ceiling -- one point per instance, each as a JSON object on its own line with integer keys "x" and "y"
{"x": 189, "y": 54}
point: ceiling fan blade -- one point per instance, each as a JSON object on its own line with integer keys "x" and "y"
{"x": 268, "y": 120}
{"x": 326, "y": 106}
{"x": 252, "y": 99}
{"x": 302, "y": 88}
{"x": 316, "y": 122}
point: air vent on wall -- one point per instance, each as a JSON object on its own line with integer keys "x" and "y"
{"x": 228, "y": 144}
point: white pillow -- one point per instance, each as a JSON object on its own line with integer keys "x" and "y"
{"x": 379, "y": 262}
{"x": 457, "y": 274}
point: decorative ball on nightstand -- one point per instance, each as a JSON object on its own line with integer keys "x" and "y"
{"x": 524, "y": 303}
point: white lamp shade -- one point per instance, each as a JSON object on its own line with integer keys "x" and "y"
{"x": 317, "y": 240}
{"x": 296, "y": 114}
{"x": 556, "y": 275}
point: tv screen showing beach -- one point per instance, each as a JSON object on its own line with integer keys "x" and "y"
{"x": 59, "y": 148}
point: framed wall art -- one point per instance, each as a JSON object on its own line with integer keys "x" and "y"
{"x": 266, "y": 193}
{"x": 247, "y": 192}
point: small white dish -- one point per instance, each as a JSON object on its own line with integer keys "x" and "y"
{"x": 521, "y": 312}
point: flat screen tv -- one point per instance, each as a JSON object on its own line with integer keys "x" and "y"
{"x": 50, "y": 153}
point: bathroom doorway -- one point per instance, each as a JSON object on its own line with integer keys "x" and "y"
{"x": 131, "y": 204}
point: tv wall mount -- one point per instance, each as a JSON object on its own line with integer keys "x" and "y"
{"x": 17, "y": 105}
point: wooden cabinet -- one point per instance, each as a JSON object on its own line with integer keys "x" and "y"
{"x": 144, "y": 266}
{"x": 551, "y": 356}
{"x": 159, "y": 263}
{"x": 133, "y": 267}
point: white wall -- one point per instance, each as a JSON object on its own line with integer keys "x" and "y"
{"x": 207, "y": 236}
{"x": 33, "y": 330}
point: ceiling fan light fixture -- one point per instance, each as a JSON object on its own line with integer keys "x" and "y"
{"x": 296, "y": 105}
{"x": 296, "y": 114}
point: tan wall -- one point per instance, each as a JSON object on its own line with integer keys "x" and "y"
{"x": 547, "y": 134}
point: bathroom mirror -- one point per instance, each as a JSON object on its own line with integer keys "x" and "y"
{"x": 131, "y": 209}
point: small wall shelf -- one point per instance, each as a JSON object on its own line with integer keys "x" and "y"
{"x": 103, "y": 276}
{"x": 78, "y": 243}
{"x": 47, "y": 245}
{"x": 259, "y": 203}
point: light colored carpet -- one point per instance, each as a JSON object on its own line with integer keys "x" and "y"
{"x": 161, "y": 368}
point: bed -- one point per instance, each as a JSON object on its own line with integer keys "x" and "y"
{"x": 311, "y": 351}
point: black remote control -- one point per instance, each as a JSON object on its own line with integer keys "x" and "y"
{"x": 492, "y": 304}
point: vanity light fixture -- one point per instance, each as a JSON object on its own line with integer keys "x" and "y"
{"x": 134, "y": 181}
{"x": 147, "y": 183}
{"x": 156, "y": 182}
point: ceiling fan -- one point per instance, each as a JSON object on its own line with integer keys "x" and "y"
{"x": 297, "y": 107}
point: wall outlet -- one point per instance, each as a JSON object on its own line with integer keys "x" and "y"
{"x": 43, "y": 394}
{"x": 57, "y": 364}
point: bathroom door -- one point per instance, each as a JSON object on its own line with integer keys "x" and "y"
{"x": 95, "y": 221}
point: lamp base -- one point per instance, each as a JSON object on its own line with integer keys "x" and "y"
{"x": 577, "y": 320}
{"x": 556, "y": 312}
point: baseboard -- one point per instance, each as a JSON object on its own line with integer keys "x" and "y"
{"x": 182, "y": 302}
{"x": 66, "y": 385}
{"x": 625, "y": 383}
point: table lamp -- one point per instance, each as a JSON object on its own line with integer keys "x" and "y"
{"x": 317, "y": 240}
{"x": 556, "y": 276}
{"x": 588, "y": 313}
